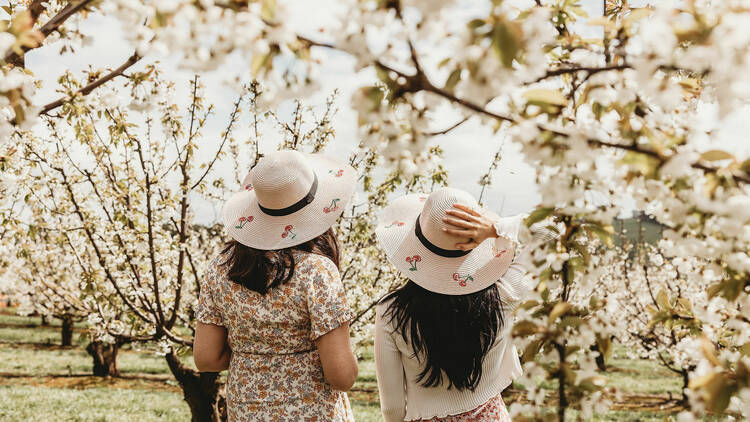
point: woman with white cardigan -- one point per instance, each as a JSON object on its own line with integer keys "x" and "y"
{"x": 442, "y": 345}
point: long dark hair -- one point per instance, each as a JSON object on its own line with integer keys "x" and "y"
{"x": 450, "y": 334}
{"x": 261, "y": 271}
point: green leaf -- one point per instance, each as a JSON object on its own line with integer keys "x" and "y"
{"x": 268, "y": 10}
{"x": 720, "y": 390}
{"x": 571, "y": 321}
{"x": 592, "y": 384}
{"x": 690, "y": 85}
{"x": 557, "y": 311}
{"x": 453, "y": 79}
{"x": 444, "y": 62}
{"x": 475, "y": 23}
{"x": 545, "y": 96}
{"x": 645, "y": 164}
{"x": 603, "y": 233}
{"x": 663, "y": 300}
{"x": 506, "y": 41}
{"x": 638, "y": 14}
{"x": 538, "y": 215}
{"x": 716, "y": 155}
{"x": 531, "y": 350}
{"x": 525, "y": 328}
{"x": 259, "y": 62}
{"x": 745, "y": 349}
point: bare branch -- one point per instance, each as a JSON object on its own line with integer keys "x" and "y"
{"x": 52, "y": 25}
{"x": 133, "y": 59}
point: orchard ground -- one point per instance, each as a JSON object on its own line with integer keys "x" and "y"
{"x": 40, "y": 380}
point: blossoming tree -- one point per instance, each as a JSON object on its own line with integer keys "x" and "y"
{"x": 630, "y": 113}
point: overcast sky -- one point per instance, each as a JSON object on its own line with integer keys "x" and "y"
{"x": 468, "y": 149}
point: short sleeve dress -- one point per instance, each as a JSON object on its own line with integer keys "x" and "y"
{"x": 275, "y": 373}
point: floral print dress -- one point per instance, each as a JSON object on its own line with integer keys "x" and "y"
{"x": 275, "y": 373}
{"x": 493, "y": 410}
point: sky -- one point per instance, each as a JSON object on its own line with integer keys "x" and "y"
{"x": 468, "y": 149}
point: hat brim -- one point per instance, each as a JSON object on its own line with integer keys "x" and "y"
{"x": 246, "y": 223}
{"x": 470, "y": 273}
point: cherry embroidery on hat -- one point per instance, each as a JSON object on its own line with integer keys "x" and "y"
{"x": 395, "y": 223}
{"x": 248, "y": 187}
{"x": 462, "y": 280}
{"x": 333, "y": 207}
{"x": 288, "y": 231}
{"x": 412, "y": 260}
{"x": 498, "y": 253}
{"x": 242, "y": 221}
{"x": 422, "y": 198}
{"x": 336, "y": 173}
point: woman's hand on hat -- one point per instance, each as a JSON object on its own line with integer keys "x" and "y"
{"x": 469, "y": 224}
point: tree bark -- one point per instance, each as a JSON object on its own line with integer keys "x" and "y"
{"x": 45, "y": 321}
{"x": 67, "y": 330}
{"x": 600, "y": 361}
{"x": 105, "y": 358}
{"x": 685, "y": 381}
{"x": 201, "y": 390}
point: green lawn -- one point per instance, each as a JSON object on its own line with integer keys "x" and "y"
{"x": 51, "y": 383}
{"x": 29, "y": 403}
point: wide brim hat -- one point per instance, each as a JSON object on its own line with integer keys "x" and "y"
{"x": 427, "y": 256}
{"x": 312, "y": 188}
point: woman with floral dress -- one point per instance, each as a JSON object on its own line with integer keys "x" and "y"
{"x": 272, "y": 307}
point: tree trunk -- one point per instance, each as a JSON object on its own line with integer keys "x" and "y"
{"x": 67, "y": 330}
{"x": 44, "y": 322}
{"x": 105, "y": 358}
{"x": 685, "y": 382}
{"x": 201, "y": 390}
{"x": 600, "y": 362}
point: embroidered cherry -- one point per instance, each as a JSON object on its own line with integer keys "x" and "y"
{"x": 333, "y": 207}
{"x": 336, "y": 173}
{"x": 248, "y": 187}
{"x": 497, "y": 253}
{"x": 412, "y": 260}
{"x": 395, "y": 223}
{"x": 288, "y": 231}
{"x": 462, "y": 280}
{"x": 242, "y": 221}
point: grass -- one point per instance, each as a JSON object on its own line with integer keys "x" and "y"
{"x": 29, "y": 403}
{"x": 75, "y": 360}
{"x": 51, "y": 383}
{"x": 642, "y": 376}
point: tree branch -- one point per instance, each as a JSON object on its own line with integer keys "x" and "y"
{"x": 589, "y": 70}
{"x": 52, "y": 25}
{"x": 133, "y": 59}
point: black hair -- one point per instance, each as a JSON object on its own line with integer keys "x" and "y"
{"x": 261, "y": 270}
{"x": 450, "y": 334}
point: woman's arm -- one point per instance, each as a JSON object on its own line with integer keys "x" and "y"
{"x": 211, "y": 351}
{"x": 390, "y": 372}
{"x": 339, "y": 363}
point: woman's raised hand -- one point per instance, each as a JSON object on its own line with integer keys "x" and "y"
{"x": 469, "y": 224}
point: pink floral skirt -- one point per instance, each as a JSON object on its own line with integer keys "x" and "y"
{"x": 493, "y": 410}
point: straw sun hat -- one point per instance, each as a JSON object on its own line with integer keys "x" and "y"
{"x": 410, "y": 230}
{"x": 288, "y": 199}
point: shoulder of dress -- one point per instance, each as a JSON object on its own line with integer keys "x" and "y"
{"x": 218, "y": 260}
{"x": 319, "y": 262}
